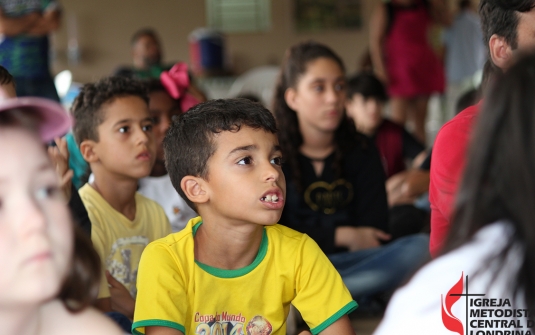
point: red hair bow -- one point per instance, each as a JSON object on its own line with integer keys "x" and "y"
{"x": 176, "y": 82}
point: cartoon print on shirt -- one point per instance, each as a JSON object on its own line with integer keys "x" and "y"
{"x": 259, "y": 326}
{"x": 230, "y": 324}
{"x": 119, "y": 261}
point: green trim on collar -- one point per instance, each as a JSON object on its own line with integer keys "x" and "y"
{"x": 156, "y": 322}
{"x": 222, "y": 273}
{"x": 196, "y": 227}
{"x": 350, "y": 307}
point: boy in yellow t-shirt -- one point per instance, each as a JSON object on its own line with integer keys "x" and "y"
{"x": 233, "y": 269}
{"x": 113, "y": 128}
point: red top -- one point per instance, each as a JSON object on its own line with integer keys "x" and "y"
{"x": 389, "y": 141}
{"x": 447, "y": 164}
{"x": 412, "y": 65}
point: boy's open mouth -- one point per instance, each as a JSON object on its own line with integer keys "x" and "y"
{"x": 270, "y": 198}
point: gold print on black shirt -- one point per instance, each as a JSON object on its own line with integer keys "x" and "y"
{"x": 328, "y": 198}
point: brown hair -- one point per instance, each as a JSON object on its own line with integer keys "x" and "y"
{"x": 20, "y": 118}
{"x": 87, "y": 107}
{"x": 80, "y": 288}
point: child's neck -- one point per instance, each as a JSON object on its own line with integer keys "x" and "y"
{"x": 158, "y": 169}
{"x": 316, "y": 144}
{"x": 368, "y": 131}
{"x": 119, "y": 193}
{"x": 227, "y": 246}
{"x": 21, "y": 321}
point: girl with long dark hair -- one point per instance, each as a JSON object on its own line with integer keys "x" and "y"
{"x": 335, "y": 180}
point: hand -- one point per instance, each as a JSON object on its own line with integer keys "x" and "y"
{"x": 417, "y": 183}
{"x": 121, "y": 300}
{"x": 382, "y": 76}
{"x": 48, "y": 22}
{"x": 358, "y": 238}
{"x": 60, "y": 158}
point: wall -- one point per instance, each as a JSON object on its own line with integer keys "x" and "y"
{"x": 105, "y": 27}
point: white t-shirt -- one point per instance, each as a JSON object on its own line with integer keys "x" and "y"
{"x": 162, "y": 191}
{"x": 420, "y": 307}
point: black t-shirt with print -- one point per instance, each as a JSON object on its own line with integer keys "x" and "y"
{"x": 357, "y": 198}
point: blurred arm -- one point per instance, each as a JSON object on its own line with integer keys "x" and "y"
{"x": 440, "y": 12}
{"x": 341, "y": 326}
{"x": 378, "y": 30}
{"x": 13, "y": 26}
{"x": 47, "y": 23}
{"x": 162, "y": 331}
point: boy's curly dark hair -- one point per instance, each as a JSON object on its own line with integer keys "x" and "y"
{"x": 154, "y": 85}
{"x": 87, "y": 107}
{"x": 189, "y": 142}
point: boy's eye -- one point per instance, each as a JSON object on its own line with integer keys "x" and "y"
{"x": 147, "y": 127}
{"x": 124, "y": 129}
{"x": 155, "y": 120}
{"x": 245, "y": 161}
{"x": 276, "y": 161}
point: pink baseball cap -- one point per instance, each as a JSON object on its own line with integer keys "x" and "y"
{"x": 54, "y": 122}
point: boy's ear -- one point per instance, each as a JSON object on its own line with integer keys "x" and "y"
{"x": 289, "y": 97}
{"x": 501, "y": 52}
{"x": 195, "y": 189}
{"x": 87, "y": 149}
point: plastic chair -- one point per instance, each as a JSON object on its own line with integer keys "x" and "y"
{"x": 63, "y": 81}
{"x": 259, "y": 82}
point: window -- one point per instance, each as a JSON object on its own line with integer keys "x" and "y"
{"x": 231, "y": 16}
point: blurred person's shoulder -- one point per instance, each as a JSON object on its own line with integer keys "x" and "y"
{"x": 462, "y": 121}
{"x": 88, "y": 321}
{"x": 452, "y": 139}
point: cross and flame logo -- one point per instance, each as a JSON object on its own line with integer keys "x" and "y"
{"x": 450, "y": 321}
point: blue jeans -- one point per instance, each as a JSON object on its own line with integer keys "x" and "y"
{"x": 377, "y": 270}
{"x": 122, "y": 321}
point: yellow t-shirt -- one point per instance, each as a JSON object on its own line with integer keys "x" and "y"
{"x": 118, "y": 241}
{"x": 176, "y": 291}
